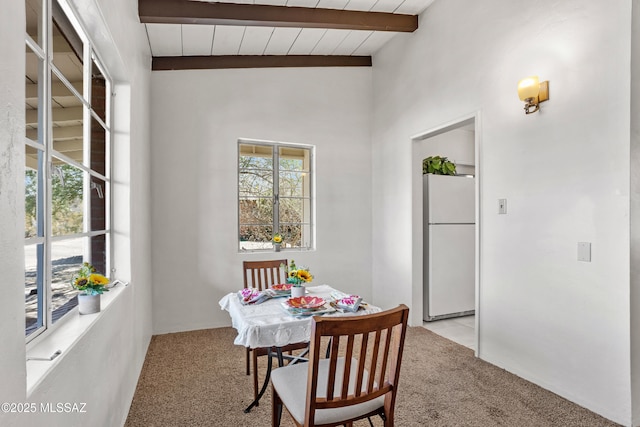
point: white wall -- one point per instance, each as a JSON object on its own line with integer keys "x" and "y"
{"x": 560, "y": 323}
{"x": 635, "y": 211}
{"x": 197, "y": 118}
{"x": 12, "y": 353}
{"x": 102, "y": 368}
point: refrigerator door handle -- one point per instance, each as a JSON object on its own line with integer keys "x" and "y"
{"x": 451, "y": 223}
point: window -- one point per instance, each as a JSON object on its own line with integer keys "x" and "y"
{"x": 67, "y": 173}
{"x": 275, "y": 195}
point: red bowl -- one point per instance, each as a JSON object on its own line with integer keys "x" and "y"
{"x": 282, "y": 287}
{"x": 306, "y": 302}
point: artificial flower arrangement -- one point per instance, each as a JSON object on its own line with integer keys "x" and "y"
{"x": 89, "y": 281}
{"x": 297, "y": 276}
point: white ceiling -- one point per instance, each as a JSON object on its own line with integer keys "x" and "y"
{"x": 205, "y": 40}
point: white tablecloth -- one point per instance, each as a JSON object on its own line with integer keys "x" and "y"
{"x": 268, "y": 324}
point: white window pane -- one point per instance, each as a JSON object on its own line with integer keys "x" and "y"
{"x": 33, "y": 9}
{"x": 66, "y": 260}
{"x": 33, "y": 293}
{"x": 256, "y": 237}
{"x": 66, "y": 199}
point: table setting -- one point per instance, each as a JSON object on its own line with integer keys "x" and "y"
{"x": 272, "y": 317}
{"x": 302, "y": 305}
{"x": 280, "y": 315}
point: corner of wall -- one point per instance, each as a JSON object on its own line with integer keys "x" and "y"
{"x": 12, "y": 119}
{"x": 634, "y": 214}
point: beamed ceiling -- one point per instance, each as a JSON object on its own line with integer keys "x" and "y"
{"x": 193, "y": 34}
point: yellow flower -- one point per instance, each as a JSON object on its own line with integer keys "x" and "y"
{"x": 304, "y": 275}
{"x": 89, "y": 281}
{"x": 98, "y": 279}
{"x": 277, "y": 239}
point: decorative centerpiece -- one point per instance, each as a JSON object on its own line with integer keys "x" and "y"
{"x": 277, "y": 241}
{"x": 297, "y": 276}
{"x": 91, "y": 285}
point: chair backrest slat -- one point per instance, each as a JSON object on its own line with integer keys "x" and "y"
{"x": 362, "y": 360}
{"x": 257, "y": 283}
{"x": 385, "y": 354}
{"x": 347, "y": 368}
{"x": 374, "y": 362}
{"x": 262, "y": 274}
{"x": 274, "y": 274}
{"x": 333, "y": 364}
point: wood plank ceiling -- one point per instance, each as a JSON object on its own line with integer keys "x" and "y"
{"x": 194, "y": 34}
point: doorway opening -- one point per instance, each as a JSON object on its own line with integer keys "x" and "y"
{"x": 448, "y": 307}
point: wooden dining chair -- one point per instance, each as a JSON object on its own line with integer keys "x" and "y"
{"x": 357, "y": 379}
{"x": 261, "y": 275}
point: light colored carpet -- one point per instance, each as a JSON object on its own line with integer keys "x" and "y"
{"x": 198, "y": 379}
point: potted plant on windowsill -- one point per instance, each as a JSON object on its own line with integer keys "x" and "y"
{"x": 277, "y": 241}
{"x": 298, "y": 276}
{"x": 91, "y": 285}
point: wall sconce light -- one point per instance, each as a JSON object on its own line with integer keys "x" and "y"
{"x": 533, "y": 92}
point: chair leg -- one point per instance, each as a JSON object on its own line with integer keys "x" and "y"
{"x": 388, "y": 421}
{"x": 248, "y": 353}
{"x": 255, "y": 376}
{"x": 276, "y": 408}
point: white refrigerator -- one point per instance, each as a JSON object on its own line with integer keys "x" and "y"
{"x": 449, "y": 246}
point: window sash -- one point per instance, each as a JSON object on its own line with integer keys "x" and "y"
{"x": 247, "y": 225}
{"x": 94, "y": 235}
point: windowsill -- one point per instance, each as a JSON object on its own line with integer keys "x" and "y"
{"x": 69, "y": 330}
{"x": 266, "y": 251}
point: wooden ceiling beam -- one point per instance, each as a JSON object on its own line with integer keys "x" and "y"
{"x": 165, "y": 63}
{"x": 200, "y": 12}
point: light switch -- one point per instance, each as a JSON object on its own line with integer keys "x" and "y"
{"x": 584, "y": 251}
{"x": 502, "y": 206}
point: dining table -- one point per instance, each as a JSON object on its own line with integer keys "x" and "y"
{"x": 270, "y": 324}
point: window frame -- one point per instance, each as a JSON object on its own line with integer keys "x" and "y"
{"x": 45, "y": 237}
{"x": 276, "y": 223}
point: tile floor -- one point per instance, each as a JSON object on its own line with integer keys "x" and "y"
{"x": 457, "y": 329}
